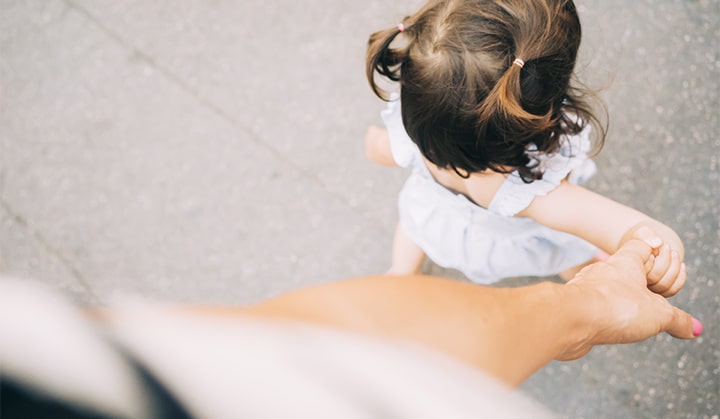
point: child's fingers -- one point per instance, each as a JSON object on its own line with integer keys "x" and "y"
{"x": 660, "y": 265}
{"x": 669, "y": 277}
{"x": 678, "y": 284}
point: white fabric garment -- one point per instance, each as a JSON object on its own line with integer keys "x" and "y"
{"x": 227, "y": 367}
{"x": 489, "y": 244}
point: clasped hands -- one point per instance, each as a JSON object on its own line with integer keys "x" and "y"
{"x": 628, "y": 292}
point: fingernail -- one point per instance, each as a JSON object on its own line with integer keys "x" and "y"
{"x": 653, "y": 242}
{"x": 675, "y": 254}
{"x": 683, "y": 267}
{"x": 697, "y": 327}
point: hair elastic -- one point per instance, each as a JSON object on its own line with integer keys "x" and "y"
{"x": 520, "y": 63}
{"x": 401, "y": 27}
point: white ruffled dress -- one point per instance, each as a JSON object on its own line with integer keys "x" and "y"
{"x": 489, "y": 244}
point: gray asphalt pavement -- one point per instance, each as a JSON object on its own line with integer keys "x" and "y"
{"x": 211, "y": 151}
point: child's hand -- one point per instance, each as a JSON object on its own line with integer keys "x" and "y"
{"x": 666, "y": 272}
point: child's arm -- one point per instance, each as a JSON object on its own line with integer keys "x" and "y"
{"x": 608, "y": 224}
{"x": 377, "y": 146}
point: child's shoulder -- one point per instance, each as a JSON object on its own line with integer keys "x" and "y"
{"x": 571, "y": 162}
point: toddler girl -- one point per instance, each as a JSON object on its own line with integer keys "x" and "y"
{"x": 497, "y": 138}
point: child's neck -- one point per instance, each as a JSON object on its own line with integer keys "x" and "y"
{"x": 479, "y": 187}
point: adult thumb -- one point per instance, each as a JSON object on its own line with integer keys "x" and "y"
{"x": 682, "y": 325}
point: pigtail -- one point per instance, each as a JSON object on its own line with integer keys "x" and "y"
{"x": 383, "y": 59}
{"x": 512, "y": 120}
{"x": 503, "y": 107}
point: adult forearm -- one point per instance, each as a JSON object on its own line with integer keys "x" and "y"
{"x": 509, "y": 333}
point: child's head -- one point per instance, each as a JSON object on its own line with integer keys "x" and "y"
{"x": 466, "y": 102}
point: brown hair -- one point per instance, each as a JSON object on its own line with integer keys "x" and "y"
{"x": 464, "y": 103}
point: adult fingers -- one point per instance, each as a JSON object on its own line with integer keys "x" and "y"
{"x": 682, "y": 325}
{"x": 633, "y": 254}
{"x": 649, "y": 263}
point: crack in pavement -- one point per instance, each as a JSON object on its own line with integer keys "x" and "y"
{"x": 42, "y": 241}
{"x": 221, "y": 113}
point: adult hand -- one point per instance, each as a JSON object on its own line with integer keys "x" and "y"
{"x": 621, "y": 308}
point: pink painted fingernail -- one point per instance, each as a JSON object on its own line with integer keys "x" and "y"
{"x": 697, "y": 327}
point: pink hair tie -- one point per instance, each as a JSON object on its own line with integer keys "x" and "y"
{"x": 401, "y": 27}
{"x": 518, "y": 62}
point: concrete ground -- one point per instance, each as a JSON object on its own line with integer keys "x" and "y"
{"x": 210, "y": 151}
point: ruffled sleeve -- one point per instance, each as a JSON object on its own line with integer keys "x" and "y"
{"x": 404, "y": 151}
{"x": 570, "y": 161}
